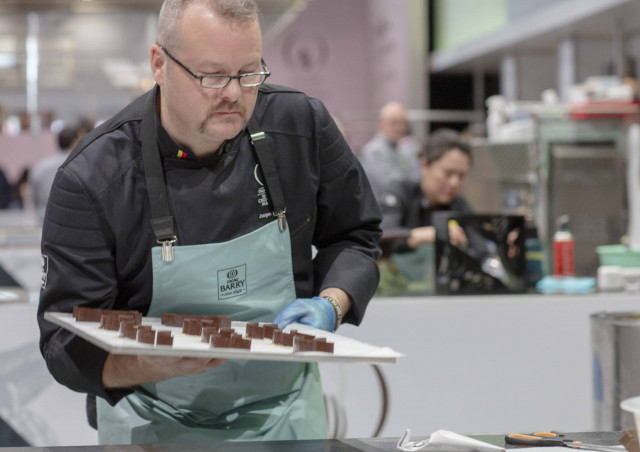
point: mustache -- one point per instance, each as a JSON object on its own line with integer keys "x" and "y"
{"x": 223, "y": 107}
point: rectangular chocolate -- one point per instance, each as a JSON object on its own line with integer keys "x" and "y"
{"x": 164, "y": 338}
{"x": 254, "y": 331}
{"x": 128, "y": 329}
{"x": 146, "y": 336}
{"x": 85, "y": 314}
{"x": 171, "y": 319}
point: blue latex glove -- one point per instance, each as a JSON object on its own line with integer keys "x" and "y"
{"x": 316, "y": 312}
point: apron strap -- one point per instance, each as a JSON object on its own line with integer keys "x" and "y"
{"x": 161, "y": 217}
{"x": 267, "y": 164}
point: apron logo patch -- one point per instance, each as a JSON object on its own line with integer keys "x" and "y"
{"x": 232, "y": 282}
{"x": 44, "y": 260}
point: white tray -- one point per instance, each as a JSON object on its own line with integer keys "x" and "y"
{"x": 345, "y": 349}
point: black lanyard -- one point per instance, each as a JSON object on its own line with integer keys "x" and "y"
{"x": 162, "y": 220}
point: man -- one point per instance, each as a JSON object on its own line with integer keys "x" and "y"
{"x": 218, "y": 200}
{"x": 43, "y": 172}
{"x": 390, "y": 157}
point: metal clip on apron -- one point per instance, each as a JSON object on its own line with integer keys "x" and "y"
{"x": 249, "y": 278}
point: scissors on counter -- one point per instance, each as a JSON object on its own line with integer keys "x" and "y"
{"x": 551, "y": 439}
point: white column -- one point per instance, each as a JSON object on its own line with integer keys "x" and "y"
{"x": 478, "y": 89}
{"x": 509, "y": 77}
{"x": 567, "y": 70}
{"x": 417, "y": 83}
{"x": 33, "y": 58}
{"x": 617, "y": 50}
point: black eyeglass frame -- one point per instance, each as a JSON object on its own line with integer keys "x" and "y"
{"x": 266, "y": 73}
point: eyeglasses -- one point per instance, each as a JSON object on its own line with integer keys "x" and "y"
{"x": 218, "y": 81}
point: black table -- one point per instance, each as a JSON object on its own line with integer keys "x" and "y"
{"x": 330, "y": 445}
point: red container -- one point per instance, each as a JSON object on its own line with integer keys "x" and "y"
{"x": 563, "y": 254}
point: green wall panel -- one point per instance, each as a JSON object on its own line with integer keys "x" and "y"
{"x": 457, "y": 22}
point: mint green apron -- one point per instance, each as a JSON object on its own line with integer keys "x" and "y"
{"x": 250, "y": 279}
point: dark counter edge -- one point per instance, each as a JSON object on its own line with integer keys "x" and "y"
{"x": 330, "y": 445}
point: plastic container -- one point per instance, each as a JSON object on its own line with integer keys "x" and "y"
{"x": 619, "y": 255}
{"x": 632, "y": 405}
{"x": 610, "y": 278}
{"x": 631, "y": 279}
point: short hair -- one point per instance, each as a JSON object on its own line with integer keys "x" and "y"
{"x": 171, "y": 12}
{"x": 442, "y": 141}
{"x": 85, "y": 125}
{"x": 67, "y": 136}
{"x": 392, "y": 106}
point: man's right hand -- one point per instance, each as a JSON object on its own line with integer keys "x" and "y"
{"x": 421, "y": 236}
{"x": 123, "y": 371}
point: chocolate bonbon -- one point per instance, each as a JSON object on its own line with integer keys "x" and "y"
{"x": 85, "y": 314}
{"x": 127, "y": 329}
{"x": 171, "y": 319}
{"x": 303, "y": 344}
{"x": 164, "y": 338}
{"x": 269, "y": 328}
{"x": 192, "y": 326}
{"x": 254, "y": 331}
{"x": 146, "y": 336}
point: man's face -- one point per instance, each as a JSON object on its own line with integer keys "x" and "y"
{"x": 203, "y": 118}
{"x": 393, "y": 125}
{"x": 443, "y": 179}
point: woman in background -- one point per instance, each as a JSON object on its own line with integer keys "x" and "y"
{"x": 445, "y": 161}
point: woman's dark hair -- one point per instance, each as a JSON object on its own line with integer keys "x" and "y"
{"x": 442, "y": 141}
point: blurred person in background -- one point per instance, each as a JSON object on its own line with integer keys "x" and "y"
{"x": 389, "y": 158}
{"x": 6, "y": 191}
{"x": 409, "y": 233}
{"x": 445, "y": 160}
{"x": 21, "y": 198}
{"x": 44, "y": 171}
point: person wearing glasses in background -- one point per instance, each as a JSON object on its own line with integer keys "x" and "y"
{"x": 211, "y": 177}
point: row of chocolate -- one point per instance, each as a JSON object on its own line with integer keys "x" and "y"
{"x": 225, "y": 338}
{"x": 84, "y": 314}
{"x": 206, "y": 325}
{"x": 191, "y": 323}
{"x": 145, "y": 334}
{"x": 214, "y": 329}
{"x": 299, "y": 341}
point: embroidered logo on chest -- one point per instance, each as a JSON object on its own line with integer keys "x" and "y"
{"x": 232, "y": 282}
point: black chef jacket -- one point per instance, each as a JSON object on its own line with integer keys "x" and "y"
{"x": 97, "y": 237}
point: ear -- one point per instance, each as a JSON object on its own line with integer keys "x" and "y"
{"x": 158, "y": 64}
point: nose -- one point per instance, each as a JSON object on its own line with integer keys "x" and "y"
{"x": 232, "y": 91}
{"x": 455, "y": 181}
